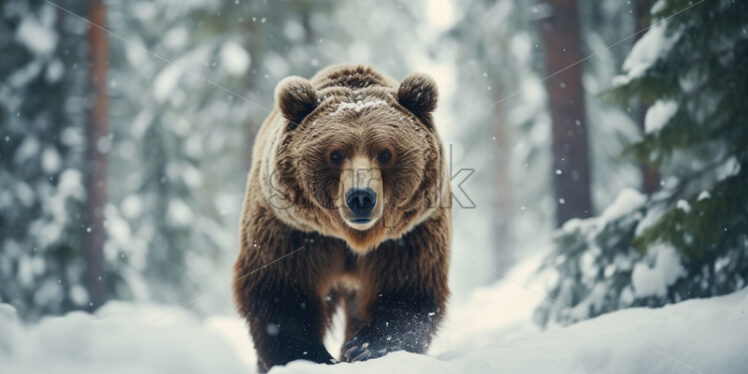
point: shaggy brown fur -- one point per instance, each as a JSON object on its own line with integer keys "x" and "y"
{"x": 299, "y": 256}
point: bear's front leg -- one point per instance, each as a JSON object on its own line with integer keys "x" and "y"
{"x": 399, "y": 322}
{"x": 287, "y": 324}
{"x": 403, "y": 292}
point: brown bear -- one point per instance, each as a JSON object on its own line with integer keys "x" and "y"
{"x": 347, "y": 203}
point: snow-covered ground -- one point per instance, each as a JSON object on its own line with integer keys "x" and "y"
{"x": 490, "y": 332}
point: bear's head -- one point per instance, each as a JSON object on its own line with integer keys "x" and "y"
{"x": 362, "y": 163}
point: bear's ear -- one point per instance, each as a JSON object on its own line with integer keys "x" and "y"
{"x": 295, "y": 98}
{"x": 418, "y": 93}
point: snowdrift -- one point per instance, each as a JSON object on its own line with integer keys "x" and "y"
{"x": 488, "y": 333}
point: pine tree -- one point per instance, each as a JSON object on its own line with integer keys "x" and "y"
{"x": 566, "y": 101}
{"x": 611, "y": 127}
{"x": 500, "y": 128}
{"x": 650, "y": 176}
{"x": 97, "y": 146}
{"x": 42, "y": 91}
{"x": 176, "y": 115}
{"x": 690, "y": 239}
{"x": 188, "y": 92}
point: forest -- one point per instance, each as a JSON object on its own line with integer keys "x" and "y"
{"x": 598, "y": 151}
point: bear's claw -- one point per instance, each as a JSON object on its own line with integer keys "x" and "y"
{"x": 353, "y": 351}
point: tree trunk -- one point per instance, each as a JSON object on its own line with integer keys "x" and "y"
{"x": 250, "y": 132}
{"x": 96, "y": 157}
{"x": 571, "y": 172}
{"x": 503, "y": 256}
{"x": 650, "y": 174}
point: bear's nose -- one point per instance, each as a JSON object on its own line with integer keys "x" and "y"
{"x": 361, "y": 201}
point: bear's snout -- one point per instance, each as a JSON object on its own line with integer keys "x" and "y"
{"x": 361, "y": 202}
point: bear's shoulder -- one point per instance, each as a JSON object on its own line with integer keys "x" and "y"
{"x": 351, "y": 76}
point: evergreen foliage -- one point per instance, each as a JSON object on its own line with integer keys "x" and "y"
{"x": 42, "y": 116}
{"x": 691, "y": 238}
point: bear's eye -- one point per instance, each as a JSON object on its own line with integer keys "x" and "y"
{"x": 336, "y": 157}
{"x": 384, "y": 156}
